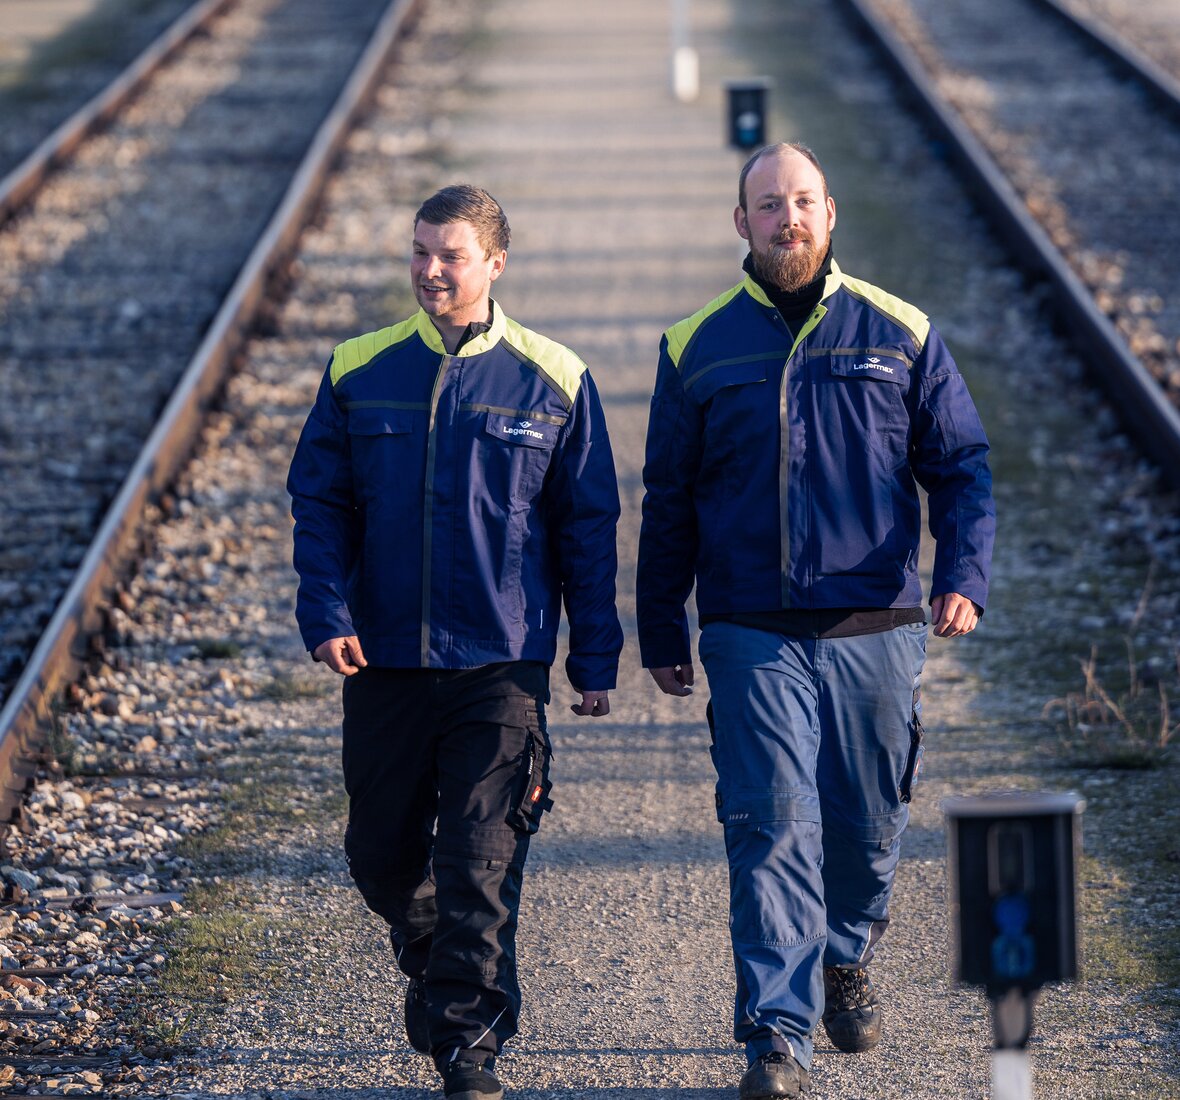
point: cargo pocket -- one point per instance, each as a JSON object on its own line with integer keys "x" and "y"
{"x": 531, "y": 797}
{"x": 913, "y": 762}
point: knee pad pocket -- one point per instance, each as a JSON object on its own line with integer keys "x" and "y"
{"x": 760, "y": 807}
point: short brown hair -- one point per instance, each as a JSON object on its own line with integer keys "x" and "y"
{"x": 462, "y": 202}
{"x": 778, "y": 147}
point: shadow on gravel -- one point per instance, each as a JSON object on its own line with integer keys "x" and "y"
{"x": 587, "y": 1093}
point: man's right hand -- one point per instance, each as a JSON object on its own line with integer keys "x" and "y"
{"x": 676, "y": 680}
{"x": 341, "y": 655}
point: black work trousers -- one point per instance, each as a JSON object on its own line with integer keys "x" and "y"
{"x": 447, "y": 773}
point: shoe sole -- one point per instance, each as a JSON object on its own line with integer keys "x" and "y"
{"x": 473, "y": 1094}
{"x": 857, "y": 1046}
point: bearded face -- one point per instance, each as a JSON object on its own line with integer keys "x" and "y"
{"x": 789, "y": 268}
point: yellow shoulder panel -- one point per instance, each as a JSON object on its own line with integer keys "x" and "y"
{"x": 909, "y": 317}
{"x": 683, "y": 331}
{"x": 557, "y": 361}
{"x": 358, "y": 351}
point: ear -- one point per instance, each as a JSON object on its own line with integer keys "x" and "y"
{"x": 499, "y": 262}
{"x": 831, "y": 213}
{"x": 742, "y": 224}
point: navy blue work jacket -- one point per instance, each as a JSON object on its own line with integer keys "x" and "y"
{"x": 445, "y": 504}
{"x": 780, "y": 472}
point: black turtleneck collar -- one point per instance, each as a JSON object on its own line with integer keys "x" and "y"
{"x": 794, "y": 305}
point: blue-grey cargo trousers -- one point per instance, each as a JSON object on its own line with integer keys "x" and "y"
{"x": 816, "y": 742}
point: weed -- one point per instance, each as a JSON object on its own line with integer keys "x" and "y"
{"x": 1127, "y": 730}
{"x": 1130, "y": 731}
{"x": 212, "y": 649}
{"x": 286, "y": 688}
{"x": 212, "y": 956}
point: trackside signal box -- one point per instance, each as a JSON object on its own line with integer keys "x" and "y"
{"x": 746, "y": 112}
{"x": 1011, "y": 870}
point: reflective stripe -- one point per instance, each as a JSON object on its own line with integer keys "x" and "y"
{"x": 428, "y": 509}
{"x": 412, "y": 406}
{"x": 888, "y": 353}
{"x": 471, "y": 1046}
{"x": 520, "y": 414}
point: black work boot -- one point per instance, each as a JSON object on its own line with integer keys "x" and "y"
{"x": 463, "y": 1080}
{"x": 773, "y": 1076}
{"x": 852, "y": 1014}
{"x": 417, "y": 1030}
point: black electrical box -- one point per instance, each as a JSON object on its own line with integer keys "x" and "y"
{"x": 1011, "y": 872}
{"x": 746, "y": 106}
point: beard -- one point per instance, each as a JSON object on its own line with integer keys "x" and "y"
{"x": 788, "y": 269}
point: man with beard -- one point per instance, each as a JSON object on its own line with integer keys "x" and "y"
{"x": 452, "y": 486}
{"x": 793, "y": 418}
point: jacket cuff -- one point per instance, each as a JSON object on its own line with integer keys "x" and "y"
{"x": 592, "y": 673}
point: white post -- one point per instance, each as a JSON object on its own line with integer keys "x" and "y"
{"x": 1011, "y": 1075}
{"x": 686, "y": 69}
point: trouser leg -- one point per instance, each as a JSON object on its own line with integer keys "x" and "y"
{"x": 492, "y": 757}
{"x": 867, "y": 704}
{"x": 765, "y": 741}
{"x": 389, "y": 774}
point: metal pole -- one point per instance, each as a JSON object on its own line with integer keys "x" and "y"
{"x": 686, "y": 68}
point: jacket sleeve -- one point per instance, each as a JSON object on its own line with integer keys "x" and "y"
{"x": 668, "y": 534}
{"x": 949, "y": 457}
{"x": 326, "y": 521}
{"x": 584, "y": 499}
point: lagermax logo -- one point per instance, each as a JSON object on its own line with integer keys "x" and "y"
{"x": 524, "y": 427}
{"x": 873, "y": 363}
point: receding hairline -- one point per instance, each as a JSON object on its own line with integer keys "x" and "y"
{"x": 780, "y": 150}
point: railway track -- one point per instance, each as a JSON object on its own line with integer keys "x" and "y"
{"x": 113, "y": 272}
{"x": 1071, "y": 142}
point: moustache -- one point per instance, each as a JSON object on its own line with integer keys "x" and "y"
{"x": 794, "y": 235}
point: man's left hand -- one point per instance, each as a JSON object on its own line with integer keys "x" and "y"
{"x": 594, "y": 703}
{"x": 954, "y": 615}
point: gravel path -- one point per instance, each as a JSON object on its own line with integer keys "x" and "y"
{"x": 620, "y": 203}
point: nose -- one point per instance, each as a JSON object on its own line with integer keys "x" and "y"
{"x": 432, "y": 267}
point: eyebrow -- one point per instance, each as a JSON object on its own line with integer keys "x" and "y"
{"x": 456, "y": 250}
{"x": 780, "y": 194}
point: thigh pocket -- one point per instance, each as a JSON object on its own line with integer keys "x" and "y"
{"x": 530, "y": 798}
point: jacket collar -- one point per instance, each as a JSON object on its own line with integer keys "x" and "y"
{"x": 479, "y": 343}
{"x": 832, "y": 283}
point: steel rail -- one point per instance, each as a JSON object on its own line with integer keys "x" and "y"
{"x": 1129, "y": 58}
{"x": 1148, "y": 415}
{"x": 63, "y": 645}
{"x": 22, "y": 182}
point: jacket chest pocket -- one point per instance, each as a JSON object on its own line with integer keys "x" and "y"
{"x": 388, "y": 447}
{"x": 864, "y": 389}
{"x": 740, "y": 406}
{"x": 516, "y": 453}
